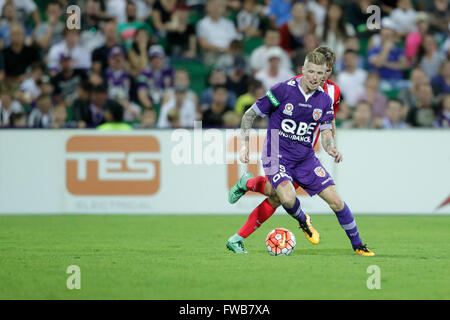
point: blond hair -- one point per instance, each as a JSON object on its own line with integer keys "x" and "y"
{"x": 315, "y": 58}
{"x": 330, "y": 56}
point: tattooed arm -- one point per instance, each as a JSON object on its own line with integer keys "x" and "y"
{"x": 246, "y": 125}
{"x": 329, "y": 146}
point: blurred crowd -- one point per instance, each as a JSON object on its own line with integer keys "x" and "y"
{"x": 166, "y": 63}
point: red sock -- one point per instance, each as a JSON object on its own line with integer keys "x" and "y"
{"x": 260, "y": 214}
{"x": 256, "y": 184}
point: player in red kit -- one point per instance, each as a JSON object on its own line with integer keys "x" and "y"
{"x": 258, "y": 184}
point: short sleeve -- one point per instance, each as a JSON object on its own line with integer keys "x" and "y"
{"x": 328, "y": 116}
{"x": 270, "y": 101}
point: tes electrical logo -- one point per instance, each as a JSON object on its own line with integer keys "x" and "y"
{"x": 112, "y": 165}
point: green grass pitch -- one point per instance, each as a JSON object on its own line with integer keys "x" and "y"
{"x": 184, "y": 257}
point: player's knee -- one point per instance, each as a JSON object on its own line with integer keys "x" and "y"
{"x": 274, "y": 200}
{"x": 336, "y": 204}
{"x": 269, "y": 190}
{"x": 289, "y": 200}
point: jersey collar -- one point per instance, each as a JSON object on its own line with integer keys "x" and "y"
{"x": 306, "y": 96}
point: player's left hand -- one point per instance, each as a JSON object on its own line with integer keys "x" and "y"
{"x": 336, "y": 155}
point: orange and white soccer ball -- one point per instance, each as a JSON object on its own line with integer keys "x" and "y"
{"x": 280, "y": 242}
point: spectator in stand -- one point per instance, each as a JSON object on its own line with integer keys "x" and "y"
{"x": 181, "y": 78}
{"x": 414, "y": 39}
{"x": 231, "y": 120}
{"x": 226, "y": 61}
{"x": 42, "y": 115}
{"x": 409, "y": 95}
{"x": 388, "y": 59}
{"x": 29, "y": 88}
{"x": 215, "y": 32}
{"x": 116, "y": 76}
{"x": 184, "y": 108}
{"x": 7, "y": 18}
{"x": 113, "y": 115}
{"x": 128, "y": 29}
{"x": 162, "y": 16}
{"x": 93, "y": 116}
{"x": 362, "y": 117}
{"x": 65, "y": 83}
{"x": 18, "y": 56}
{"x": 181, "y": 37}
{"x": 439, "y": 16}
{"x": 404, "y": 17}
{"x": 50, "y": 32}
{"x": 429, "y": 57}
{"x": 358, "y": 15}
{"x": 351, "y": 80}
{"x": 18, "y": 120}
{"x": 373, "y": 96}
{"x": 443, "y": 119}
{"x": 293, "y": 32}
{"x": 59, "y": 117}
{"x": 138, "y": 53}
{"x": 280, "y": 12}
{"x": 100, "y": 55}
{"x": 423, "y": 113}
{"x": 118, "y": 81}
{"x": 273, "y": 72}
{"x": 25, "y": 9}
{"x": 335, "y": 30}
{"x": 237, "y": 78}
{"x": 213, "y": 116}
{"x": 81, "y": 104}
{"x": 247, "y": 20}
{"x": 217, "y": 78}
{"x": 148, "y": 119}
{"x": 71, "y": 46}
{"x": 351, "y": 43}
{"x": 153, "y": 80}
{"x": 394, "y": 118}
{"x": 441, "y": 82}
{"x": 93, "y": 14}
{"x": 258, "y": 56}
{"x": 8, "y": 105}
{"x": 117, "y": 9}
{"x": 344, "y": 114}
{"x": 245, "y": 101}
{"x": 310, "y": 42}
{"x": 318, "y": 9}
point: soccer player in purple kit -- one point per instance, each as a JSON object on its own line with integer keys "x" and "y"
{"x": 297, "y": 108}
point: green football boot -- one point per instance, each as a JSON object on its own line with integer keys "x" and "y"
{"x": 239, "y": 189}
{"x": 236, "y": 244}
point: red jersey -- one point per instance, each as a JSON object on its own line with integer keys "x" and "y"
{"x": 334, "y": 92}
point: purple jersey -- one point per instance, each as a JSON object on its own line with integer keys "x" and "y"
{"x": 296, "y": 117}
{"x": 294, "y": 122}
{"x": 118, "y": 84}
{"x": 155, "y": 81}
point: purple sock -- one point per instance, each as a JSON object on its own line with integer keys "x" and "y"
{"x": 296, "y": 211}
{"x": 348, "y": 223}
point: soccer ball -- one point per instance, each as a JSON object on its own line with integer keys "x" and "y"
{"x": 280, "y": 242}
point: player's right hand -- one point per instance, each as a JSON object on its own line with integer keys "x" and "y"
{"x": 244, "y": 154}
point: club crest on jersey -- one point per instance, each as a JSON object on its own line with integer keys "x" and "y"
{"x": 319, "y": 171}
{"x": 317, "y": 113}
{"x": 292, "y": 83}
{"x": 288, "y": 107}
